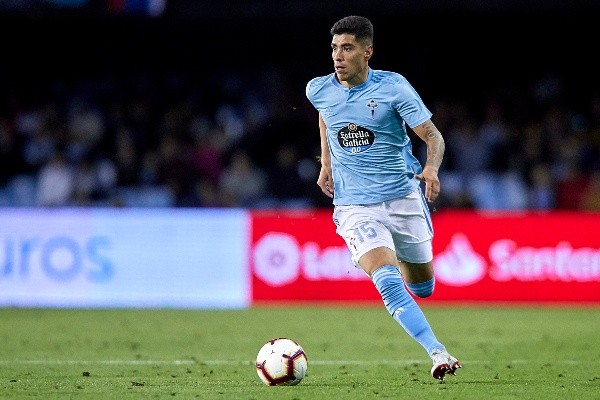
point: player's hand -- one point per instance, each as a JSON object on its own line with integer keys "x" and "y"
{"x": 432, "y": 183}
{"x": 325, "y": 181}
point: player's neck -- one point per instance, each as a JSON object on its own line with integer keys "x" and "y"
{"x": 357, "y": 80}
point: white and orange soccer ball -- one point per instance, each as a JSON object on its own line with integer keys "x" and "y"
{"x": 281, "y": 362}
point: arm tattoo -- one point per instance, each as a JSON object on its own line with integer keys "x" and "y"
{"x": 435, "y": 145}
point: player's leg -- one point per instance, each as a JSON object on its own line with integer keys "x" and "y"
{"x": 422, "y": 284}
{"x": 419, "y": 277}
{"x": 412, "y": 232}
{"x": 399, "y": 303}
{"x": 372, "y": 248}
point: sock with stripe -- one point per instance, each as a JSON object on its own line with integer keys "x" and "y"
{"x": 422, "y": 289}
{"x": 403, "y": 308}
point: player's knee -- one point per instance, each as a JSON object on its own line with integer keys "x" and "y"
{"x": 422, "y": 289}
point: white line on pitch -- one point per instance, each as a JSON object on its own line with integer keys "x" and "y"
{"x": 88, "y": 362}
{"x": 238, "y": 362}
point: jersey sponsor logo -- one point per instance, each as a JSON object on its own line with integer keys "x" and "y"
{"x": 355, "y": 138}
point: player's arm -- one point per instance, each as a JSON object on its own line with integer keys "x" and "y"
{"x": 428, "y": 132}
{"x": 325, "y": 180}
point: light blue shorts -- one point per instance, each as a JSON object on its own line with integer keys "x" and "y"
{"x": 403, "y": 225}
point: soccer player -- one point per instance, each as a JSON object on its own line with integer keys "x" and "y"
{"x": 368, "y": 169}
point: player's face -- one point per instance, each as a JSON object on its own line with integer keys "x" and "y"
{"x": 350, "y": 59}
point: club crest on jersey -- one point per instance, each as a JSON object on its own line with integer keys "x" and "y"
{"x": 355, "y": 138}
{"x": 372, "y": 105}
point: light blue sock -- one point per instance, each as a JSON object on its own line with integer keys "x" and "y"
{"x": 422, "y": 289}
{"x": 403, "y": 308}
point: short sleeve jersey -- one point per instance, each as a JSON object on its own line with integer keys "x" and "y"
{"x": 371, "y": 152}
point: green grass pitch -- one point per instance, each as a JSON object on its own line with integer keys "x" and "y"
{"x": 353, "y": 353}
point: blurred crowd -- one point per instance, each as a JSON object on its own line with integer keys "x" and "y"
{"x": 172, "y": 139}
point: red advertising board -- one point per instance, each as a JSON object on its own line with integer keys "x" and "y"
{"x": 521, "y": 257}
{"x": 298, "y": 256}
{"x": 517, "y": 257}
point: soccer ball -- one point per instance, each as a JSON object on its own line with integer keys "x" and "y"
{"x": 281, "y": 362}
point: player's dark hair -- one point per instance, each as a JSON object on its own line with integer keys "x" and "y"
{"x": 360, "y": 27}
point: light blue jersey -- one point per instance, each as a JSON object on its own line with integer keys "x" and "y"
{"x": 371, "y": 152}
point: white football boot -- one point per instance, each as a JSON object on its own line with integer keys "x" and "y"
{"x": 443, "y": 363}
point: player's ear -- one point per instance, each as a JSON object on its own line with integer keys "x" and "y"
{"x": 368, "y": 53}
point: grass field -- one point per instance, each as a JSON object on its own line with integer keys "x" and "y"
{"x": 353, "y": 353}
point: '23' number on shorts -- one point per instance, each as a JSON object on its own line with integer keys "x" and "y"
{"x": 364, "y": 230}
